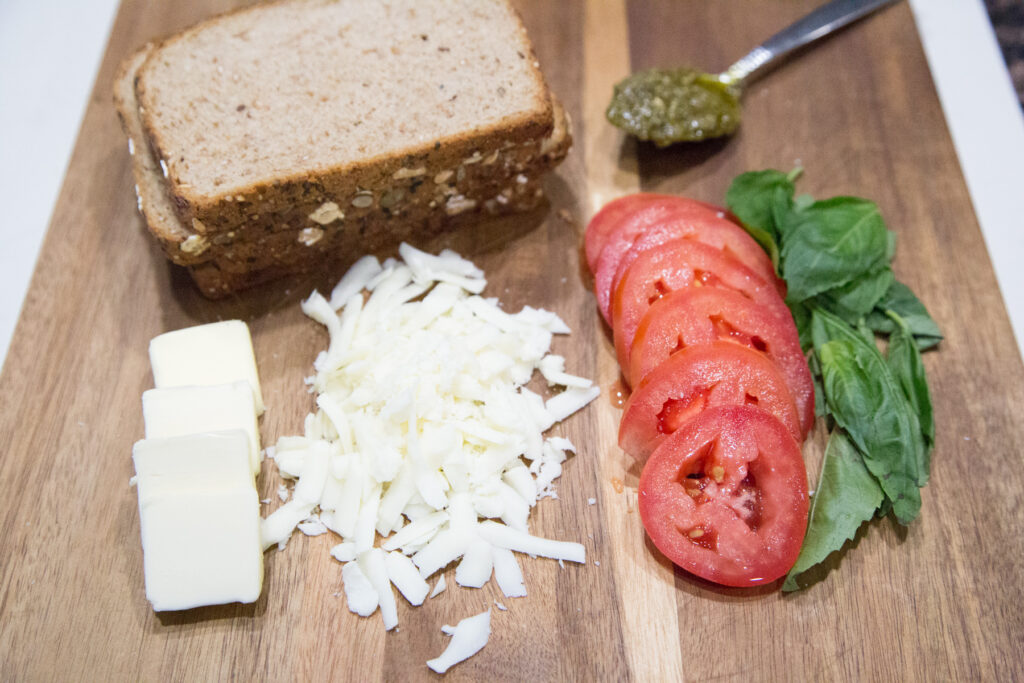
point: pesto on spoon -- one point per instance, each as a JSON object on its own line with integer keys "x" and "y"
{"x": 686, "y": 105}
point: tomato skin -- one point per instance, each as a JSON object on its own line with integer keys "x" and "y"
{"x": 725, "y": 497}
{"x": 712, "y": 230}
{"x": 674, "y": 265}
{"x": 698, "y": 315}
{"x": 694, "y": 379}
{"x": 609, "y": 218}
{"x": 662, "y": 219}
{"x": 643, "y": 208}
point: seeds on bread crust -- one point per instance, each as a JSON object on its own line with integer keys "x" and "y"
{"x": 194, "y": 245}
{"x": 327, "y": 213}
{"x": 457, "y": 204}
{"x": 363, "y": 200}
{"x": 310, "y": 236}
{"x": 250, "y": 230}
{"x": 403, "y": 173}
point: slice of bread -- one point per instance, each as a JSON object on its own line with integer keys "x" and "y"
{"x": 153, "y": 202}
{"x": 272, "y": 138}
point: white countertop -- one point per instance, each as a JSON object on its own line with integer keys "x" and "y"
{"x": 50, "y": 52}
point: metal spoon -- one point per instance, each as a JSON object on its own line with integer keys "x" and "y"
{"x": 685, "y": 105}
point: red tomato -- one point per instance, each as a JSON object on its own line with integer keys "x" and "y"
{"x": 710, "y": 228}
{"x": 608, "y": 219}
{"x": 716, "y": 232}
{"x": 645, "y": 207}
{"x": 697, "y": 315}
{"x": 725, "y": 497}
{"x": 671, "y": 266}
{"x": 695, "y": 378}
{"x": 688, "y": 216}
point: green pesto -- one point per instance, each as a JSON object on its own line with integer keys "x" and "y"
{"x": 674, "y": 105}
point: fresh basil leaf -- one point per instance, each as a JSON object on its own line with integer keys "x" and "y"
{"x": 820, "y": 405}
{"x": 752, "y": 197}
{"x": 803, "y": 201}
{"x": 904, "y": 359}
{"x": 856, "y": 299}
{"x": 847, "y": 496}
{"x": 831, "y": 243}
{"x": 783, "y": 207}
{"x": 890, "y": 249}
{"x": 902, "y": 301}
{"x": 867, "y": 401}
{"x": 802, "y": 319}
{"x": 767, "y": 241}
{"x": 865, "y": 332}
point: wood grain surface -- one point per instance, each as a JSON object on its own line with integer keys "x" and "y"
{"x": 939, "y": 600}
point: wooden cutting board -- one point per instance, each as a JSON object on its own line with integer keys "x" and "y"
{"x": 938, "y": 600}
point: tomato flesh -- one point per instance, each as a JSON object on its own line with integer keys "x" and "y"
{"x": 671, "y": 266}
{"x": 609, "y": 218}
{"x": 709, "y": 229}
{"x": 698, "y": 315}
{"x": 695, "y": 379}
{"x": 725, "y": 497}
{"x": 639, "y": 210}
{"x": 665, "y": 218}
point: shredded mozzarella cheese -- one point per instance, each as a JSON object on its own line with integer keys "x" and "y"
{"x": 425, "y": 434}
{"x": 468, "y": 637}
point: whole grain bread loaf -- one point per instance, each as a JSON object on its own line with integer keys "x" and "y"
{"x": 268, "y": 140}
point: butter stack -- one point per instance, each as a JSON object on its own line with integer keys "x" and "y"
{"x": 196, "y": 469}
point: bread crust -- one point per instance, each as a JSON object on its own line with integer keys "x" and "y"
{"x": 292, "y": 224}
{"x": 159, "y": 214}
{"x": 280, "y": 201}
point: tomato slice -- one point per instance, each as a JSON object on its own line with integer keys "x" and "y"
{"x": 697, "y": 315}
{"x": 695, "y": 378}
{"x": 609, "y": 218}
{"x": 708, "y": 228}
{"x": 674, "y": 265}
{"x": 725, "y": 497}
{"x": 716, "y": 232}
{"x": 660, "y": 220}
{"x": 644, "y": 207}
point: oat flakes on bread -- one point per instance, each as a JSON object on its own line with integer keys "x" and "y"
{"x": 272, "y": 138}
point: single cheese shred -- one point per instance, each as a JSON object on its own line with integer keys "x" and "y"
{"x": 425, "y": 432}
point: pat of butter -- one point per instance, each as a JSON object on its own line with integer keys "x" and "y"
{"x": 216, "y": 353}
{"x": 202, "y": 548}
{"x": 200, "y": 520}
{"x": 213, "y": 461}
{"x": 178, "y": 411}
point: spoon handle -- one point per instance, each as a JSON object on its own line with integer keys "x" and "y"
{"x": 817, "y": 24}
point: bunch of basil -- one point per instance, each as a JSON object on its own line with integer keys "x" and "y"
{"x": 835, "y": 256}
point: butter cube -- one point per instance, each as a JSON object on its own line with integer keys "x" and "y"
{"x": 216, "y": 353}
{"x": 213, "y": 461}
{"x": 200, "y": 520}
{"x": 178, "y": 411}
{"x": 202, "y": 547}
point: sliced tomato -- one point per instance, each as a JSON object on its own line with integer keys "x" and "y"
{"x": 707, "y": 227}
{"x": 714, "y": 231}
{"x": 697, "y": 315}
{"x": 694, "y": 379}
{"x": 675, "y": 265}
{"x": 641, "y": 208}
{"x": 725, "y": 497}
{"x": 608, "y": 219}
{"x": 688, "y": 217}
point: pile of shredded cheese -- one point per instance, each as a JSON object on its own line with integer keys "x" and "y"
{"x": 425, "y": 432}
